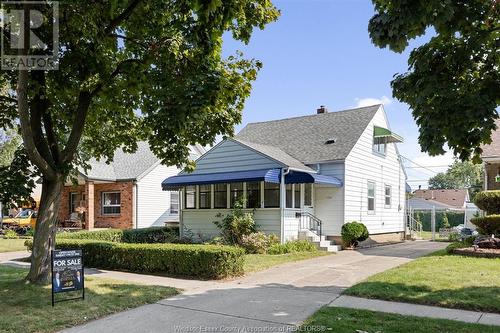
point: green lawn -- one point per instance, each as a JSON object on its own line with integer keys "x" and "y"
{"x": 343, "y": 320}
{"x": 258, "y": 262}
{"x": 428, "y": 235}
{"x": 27, "y": 308}
{"x": 438, "y": 279}
{"x": 10, "y": 245}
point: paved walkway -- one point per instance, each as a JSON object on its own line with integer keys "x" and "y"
{"x": 274, "y": 300}
{"x": 417, "y": 310}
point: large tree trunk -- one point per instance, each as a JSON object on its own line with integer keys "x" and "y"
{"x": 45, "y": 230}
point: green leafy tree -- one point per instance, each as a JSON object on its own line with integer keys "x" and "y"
{"x": 445, "y": 223}
{"x": 129, "y": 70}
{"x": 9, "y": 143}
{"x": 453, "y": 80}
{"x": 460, "y": 175}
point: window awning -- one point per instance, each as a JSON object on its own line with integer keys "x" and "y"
{"x": 176, "y": 182}
{"x": 296, "y": 177}
{"x": 386, "y": 136}
{"x": 268, "y": 175}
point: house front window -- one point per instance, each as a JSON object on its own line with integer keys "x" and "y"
{"x": 205, "y": 192}
{"x": 388, "y": 196}
{"x": 308, "y": 194}
{"x": 236, "y": 193}
{"x": 253, "y": 195}
{"x": 74, "y": 201}
{"x": 289, "y": 195}
{"x": 111, "y": 203}
{"x": 174, "y": 203}
{"x": 371, "y": 197}
{"x": 296, "y": 196}
{"x": 220, "y": 196}
{"x": 190, "y": 197}
{"x": 271, "y": 195}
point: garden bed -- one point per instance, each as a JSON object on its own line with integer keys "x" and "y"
{"x": 472, "y": 252}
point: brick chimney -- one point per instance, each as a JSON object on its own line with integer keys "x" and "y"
{"x": 322, "y": 109}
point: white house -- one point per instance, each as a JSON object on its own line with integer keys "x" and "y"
{"x": 312, "y": 173}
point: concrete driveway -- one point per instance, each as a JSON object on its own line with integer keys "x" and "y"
{"x": 274, "y": 300}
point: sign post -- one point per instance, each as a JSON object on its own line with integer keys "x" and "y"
{"x": 67, "y": 273}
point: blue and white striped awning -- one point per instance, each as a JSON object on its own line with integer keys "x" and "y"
{"x": 267, "y": 175}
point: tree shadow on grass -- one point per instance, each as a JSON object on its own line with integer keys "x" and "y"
{"x": 474, "y": 298}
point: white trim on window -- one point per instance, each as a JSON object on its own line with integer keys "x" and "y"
{"x": 371, "y": 197}
{"x": 174, "y": 202}
{"x": 387, "y": 197}
{"x": 104, "y": 205}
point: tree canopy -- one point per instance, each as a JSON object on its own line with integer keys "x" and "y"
{"x": 459, "y": 175}
{"x": 9, "y": 143}
{"x": 453, "y": 81}
{"x": 129, "y": 70}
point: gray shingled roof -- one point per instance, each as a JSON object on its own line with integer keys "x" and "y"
{"x": 124, "y": 165}
{"x": 277, "y": 154}
{"x": 303, "y": 138}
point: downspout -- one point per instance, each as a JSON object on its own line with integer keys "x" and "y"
{"x": 283, "y": 203}
{"x": 135, "y": 197}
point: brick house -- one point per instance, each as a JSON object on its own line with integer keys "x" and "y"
{"x": 491, "y": 161}
{"x": 125, "y": 193}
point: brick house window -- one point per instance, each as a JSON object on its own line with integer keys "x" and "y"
{"x": 111, "y": 203}
{"x": 74, "y": 201}
{"x": 174, "y": 202}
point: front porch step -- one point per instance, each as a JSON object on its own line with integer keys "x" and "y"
{"x": 320, "y": 241}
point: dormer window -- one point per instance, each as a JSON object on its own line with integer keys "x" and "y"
{"x": 383, "y": 136}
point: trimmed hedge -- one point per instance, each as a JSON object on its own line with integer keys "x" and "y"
{"x": 354, "y": 232}
{"x": 146, "y": 235}
{"x": 488, "y": 201}
{"x": 487, "y": 225}
{"x": 199, "y": 261}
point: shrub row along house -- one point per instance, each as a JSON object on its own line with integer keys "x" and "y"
{"x": 123, "y": 194}
{"x": 312, "y": 173}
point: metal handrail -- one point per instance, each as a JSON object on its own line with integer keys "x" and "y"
{"x": 310, "y": 222}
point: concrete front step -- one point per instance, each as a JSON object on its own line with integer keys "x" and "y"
{"x": 320, "y": 241}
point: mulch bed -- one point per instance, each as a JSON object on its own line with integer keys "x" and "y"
{"x": 483, "y": 253}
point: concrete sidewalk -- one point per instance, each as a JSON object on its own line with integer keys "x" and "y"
{"x": 275, "y": 300}
{"x": 417, "y": 310}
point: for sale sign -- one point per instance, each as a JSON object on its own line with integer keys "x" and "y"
{"x": 67, "y": 271}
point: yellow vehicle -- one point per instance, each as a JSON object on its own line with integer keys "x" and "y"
{"x": 24, "y": 219}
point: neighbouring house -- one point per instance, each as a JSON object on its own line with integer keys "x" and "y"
{"x": 491, "y": 161}
{"x": 125, "y": 193}
{"x": 443, "y": 198}
{"x": 311, "y": 173}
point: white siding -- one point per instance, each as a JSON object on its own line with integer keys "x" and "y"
{"x": 361, "y": 166}
{"x": 291, "y": 224}
{"x": 329, "y": 201}
{"x": 153, "y": 204}
{"x": 231, "y": 156}
{"x": 201, "y": 221}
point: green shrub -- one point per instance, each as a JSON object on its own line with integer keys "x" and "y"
{"x": 445, "y": 223}
{"x": 487, "y": 225}
{"x": 489, "y": 201}
{"x": 235, "y": 225}
{"x": 353, "y": 233}
{"x": 467, "y": 242}
{"x": 10, "y": 234}
{"x": 199, "y": 261}
{"x": 454, "y": 237}
{"x": 292, "y": 247}
{"x": 454, "y": 219}
{"x": 258, "y": 242}
{"x": 146, "y": 235}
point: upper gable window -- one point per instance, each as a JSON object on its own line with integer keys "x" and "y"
{"x": 379, "y": 146}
